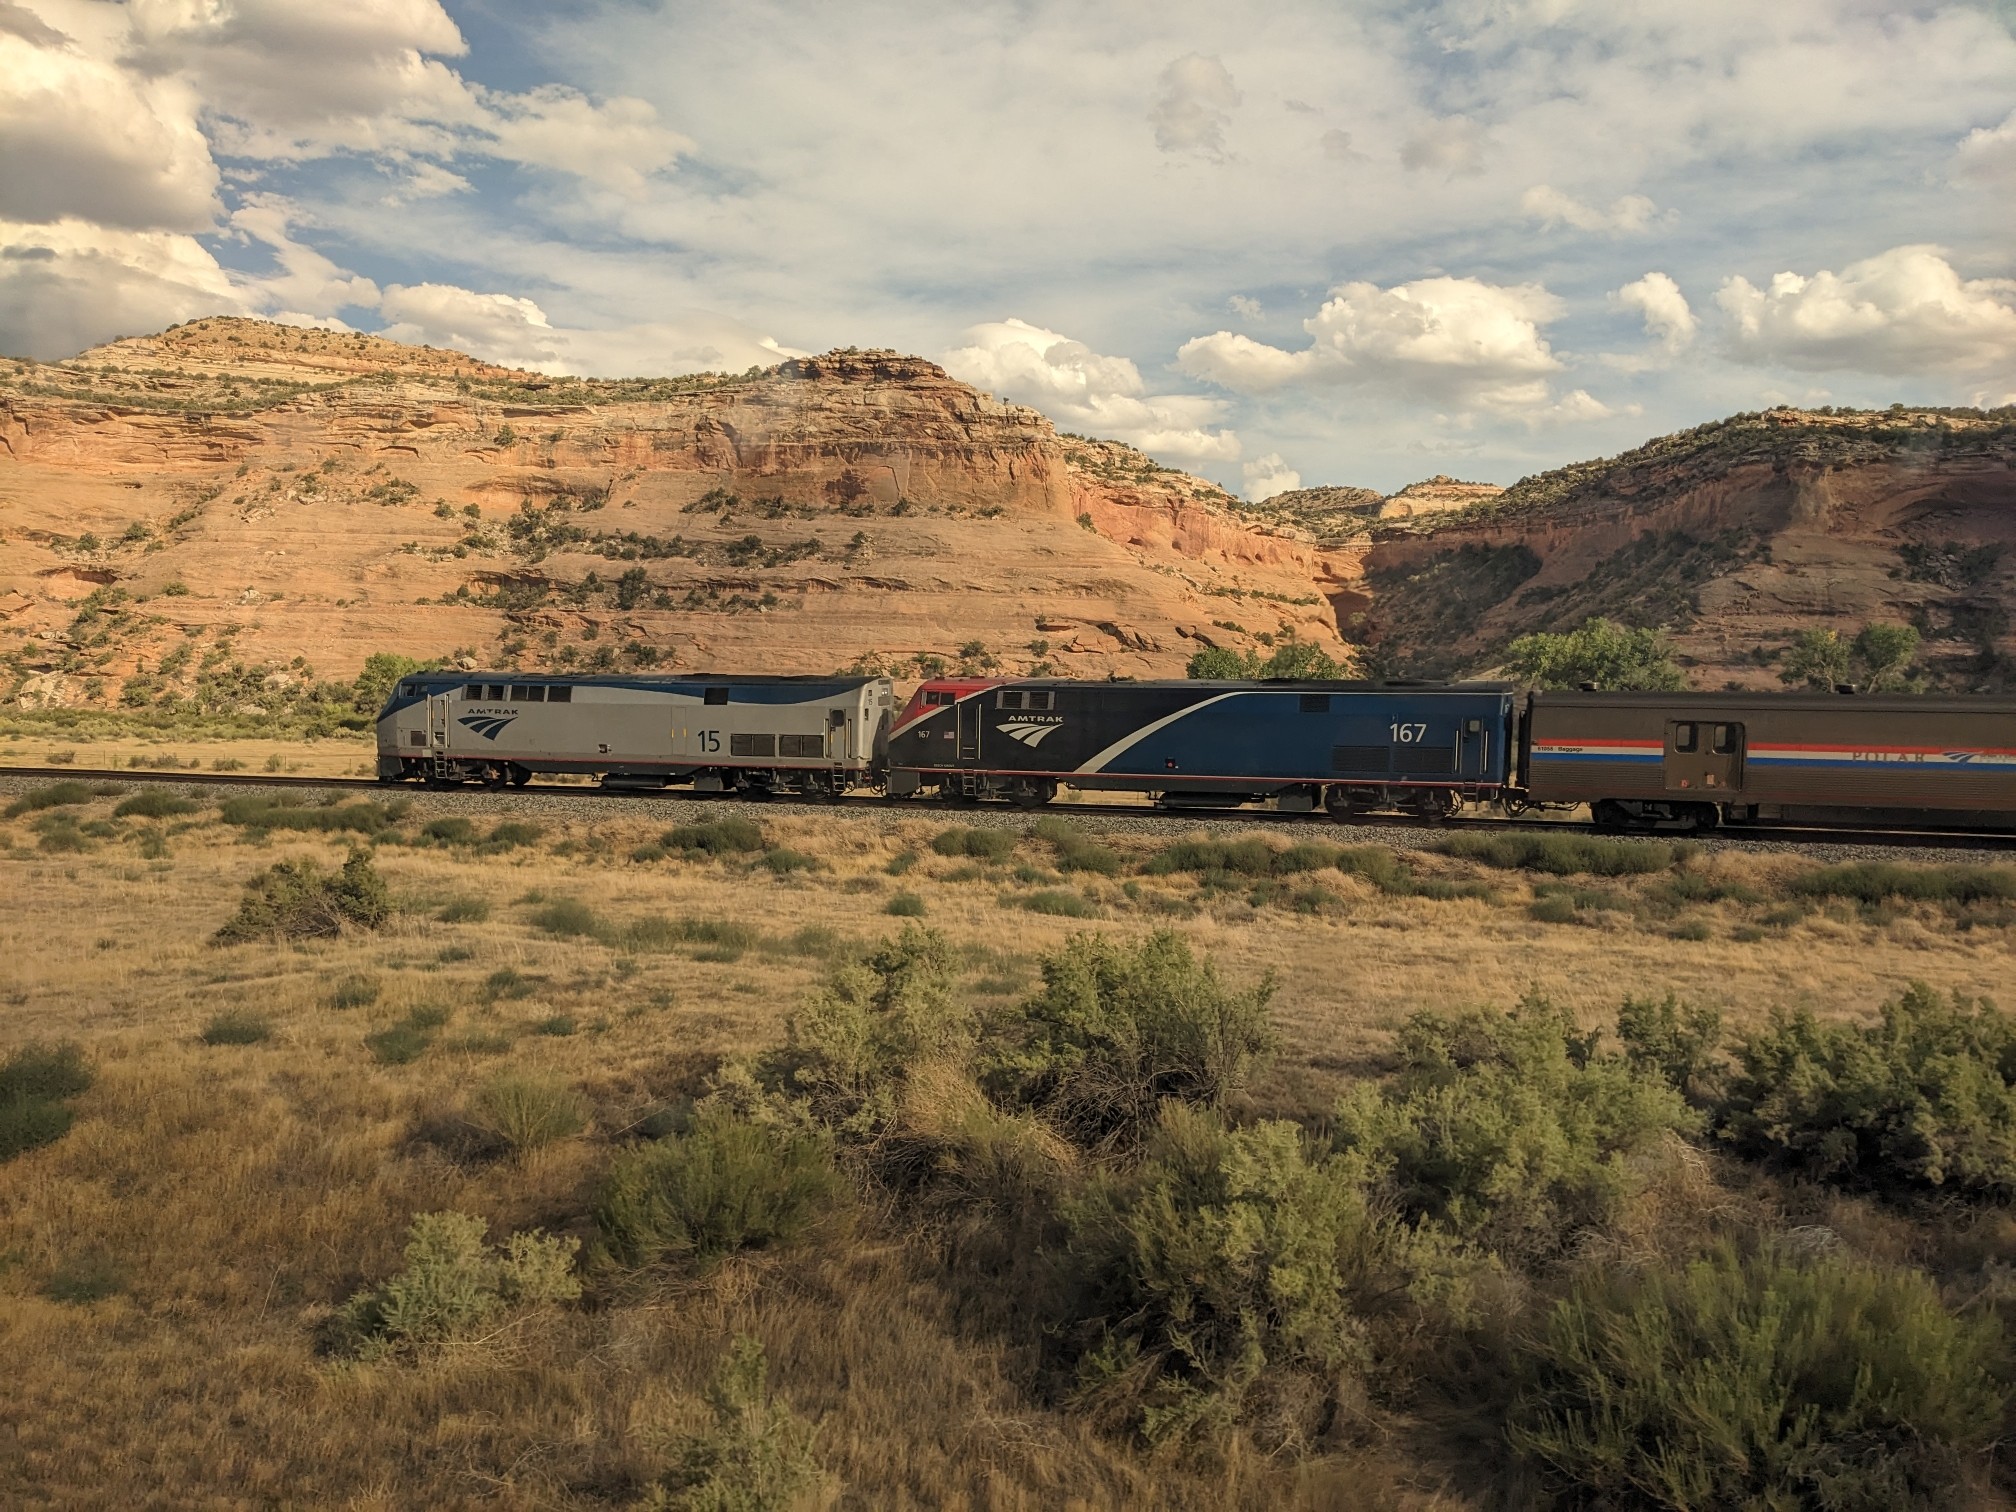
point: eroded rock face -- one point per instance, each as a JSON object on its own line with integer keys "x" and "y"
{"x": 1738, "y": 536}
{"x": 279, "y": 493}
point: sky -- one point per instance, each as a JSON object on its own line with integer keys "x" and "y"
{"x": 1356, "y": 242}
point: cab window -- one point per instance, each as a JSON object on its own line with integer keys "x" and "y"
{"x": 716, "y": 696}
{"x": 1686, "y": 737}
{"x": 1725, "y": 739}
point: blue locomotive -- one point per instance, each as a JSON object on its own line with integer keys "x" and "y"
{"x": 1348, "y": 747}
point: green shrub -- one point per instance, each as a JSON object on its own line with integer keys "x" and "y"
{"x": 28, "y": 1121}
{"x": 556, "y": 1026}
{"x": 1076, "y": 850}
{"x": 1565, "y": 855}
{"x": 1117, "y": 1028}
{"x": 398, "y": 1045}
{"x": 510, "y": 835}
{"x": 981, "y": 844}
{"x": 569, "y": 918}
{"x": 1921, "y": 1100}
{"x": 1508, "y": 1128}
{"x": 507, "y": 982}
{"x": 155, "y": 803}
{"x": 1251, "y": 857}
{"x": 782, "y": 861}
{"x": 52, "y": 1071}
{"x": 521, "y": 1113}
{"x": 1063, "y": 905}
{"x": 298, "y": 900}
{"x": 60, "y": 835}
{"x": 1678, "y": 1041}
{"x": 260, "y": 811}
{"x": 453, "y": 830}
{"x": 1884, "y": 881}
{"x": 83, "y": 1279}
{"x": 727, "y": 1184}
{"x": 359, "y": 990}
{"x": 455, "y": 1285}
{"x": 905, "y": 905}
{"x": 716, "y": 837}
{"x": 853, "y": 1045}
{"x": 1213, "y": 1282}
{"x": 757, "y": 1457}
{"x": 901, "y": 862}
{"x": 1759, "y": 1381}
{"x": 60, "y": 795}
{"x": 1554, "y": 908}
{"x": 237, "y": 1026}
{"x": 464, "y": 911}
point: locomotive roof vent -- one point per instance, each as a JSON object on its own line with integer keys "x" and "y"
{"x": 1846, "y": 690}
{"x": 1587, "y": 687}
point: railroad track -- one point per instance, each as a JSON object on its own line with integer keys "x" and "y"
{"x": 1913, "y": 839}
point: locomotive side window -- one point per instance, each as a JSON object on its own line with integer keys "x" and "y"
{"x": 498, "y": 693}
{"x": 473, "y": 693}
{"x": 1686, "y": 738}
{"x": 1315, "y": 703}
{"x": 1045, "y": 699}
{"x": 937, "y": 700}
{"x": 411, "y": 690}
{"x": 419, "y": 737}
{"x": 716, "y": 696}
{"x": 559, "y": 695}
{"x": 1725, "y": 739}
{"x": 528, "y": 693}
{"x": 1010, "y": 698}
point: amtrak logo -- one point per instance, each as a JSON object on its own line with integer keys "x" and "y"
{"x": 489, "y": 726}
{"x": 1029, "y": 731}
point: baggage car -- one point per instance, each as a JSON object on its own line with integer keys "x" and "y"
{"x": 812, "y": 735}
{"x": 1692, "y": 760}
{"x": 1345, "y": 746}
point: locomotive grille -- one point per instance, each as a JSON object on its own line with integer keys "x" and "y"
{"x": 801, "y": 745}
{"x": 1358, "y": 758}
{"x": 1419, "y": 759}
{"x": 752, "y": 745}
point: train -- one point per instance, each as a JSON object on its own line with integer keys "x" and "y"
{"x": 1636, "y": 761}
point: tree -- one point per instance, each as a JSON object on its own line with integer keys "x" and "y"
{"x": 1818, "y": 659}
{"x": 1884, "y": 653}
{"x": 1222, "y": 662}
{"x": 1600, "y": 651}
{"x": 1293, "y": 658}
{"x": 1878, "y": 659}
{"x": 381, "y": 670}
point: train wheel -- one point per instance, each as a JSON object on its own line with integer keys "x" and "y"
{"x": 520, "y": 775}
{"x": 1032, "y": 792}
{"x": 1337, "y": 802}
{"x": 1608, "y": 813}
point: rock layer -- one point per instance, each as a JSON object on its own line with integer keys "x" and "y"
{"x": 270, "y": 494}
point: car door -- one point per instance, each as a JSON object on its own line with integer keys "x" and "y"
{"x": 1704, "y": 756}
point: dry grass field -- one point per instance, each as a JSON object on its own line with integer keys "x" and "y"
{"x": 170, "y": 1266}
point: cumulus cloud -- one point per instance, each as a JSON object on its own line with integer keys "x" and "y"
{"x": 1453, "y": 341}
{"x": 71, "y": 285}
{"x": 1988, "y": 154}
{"x": 1245, "y": 307}
{"x": 1452, "y": 145}
{"x": 1630, "y": 215}
{"x": 1193, "y": 106}
{"x": 1085, "y": 391}
{"x": 1903, "y": 311}
{"x": 85, "y": 138}
{"x": 1337, "y": 147}
{"x": 1668, "y": 319}
{"x": 1267, "y": 476}
{"x": 307, "y": 284}
{"x": 516, "y": 332}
